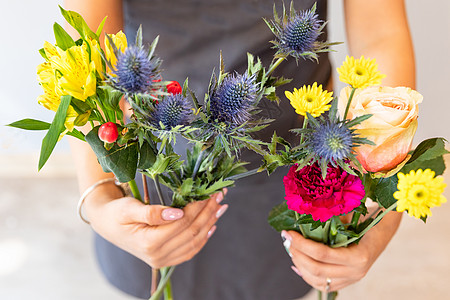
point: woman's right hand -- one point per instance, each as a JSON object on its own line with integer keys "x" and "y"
{"x": 159, "y": 235}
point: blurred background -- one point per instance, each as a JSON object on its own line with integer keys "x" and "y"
{"x": 46, "y": 251}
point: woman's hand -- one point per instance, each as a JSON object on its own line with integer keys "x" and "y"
{"x": 159, "y": 235}
{"x": 316, "y": 262}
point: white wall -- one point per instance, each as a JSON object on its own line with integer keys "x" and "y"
{"x": 27, "y": 24}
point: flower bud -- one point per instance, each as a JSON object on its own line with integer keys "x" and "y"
{"x": 108, "y": 132}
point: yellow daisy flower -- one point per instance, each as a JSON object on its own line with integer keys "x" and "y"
{"x": 360, "y": 73}
{"x": 418, "y": 192}
{"x": 310, "y": 99}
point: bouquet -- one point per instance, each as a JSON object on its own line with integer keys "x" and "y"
{"x": 359, "y": 151}
{"x": 84, "y": 84}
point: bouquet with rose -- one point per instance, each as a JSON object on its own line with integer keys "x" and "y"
{"x": 361, "y": 150}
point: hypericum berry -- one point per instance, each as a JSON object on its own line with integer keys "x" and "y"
{"x": 108, "y": 132}
{"x": 174, "y": 88}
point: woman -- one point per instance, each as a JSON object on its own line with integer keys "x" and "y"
{"x": 242, "y": 260}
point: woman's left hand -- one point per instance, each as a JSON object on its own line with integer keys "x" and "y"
{"x": 316, "y": 263}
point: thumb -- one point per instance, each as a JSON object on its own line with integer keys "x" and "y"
{"x": 154, "y": 214}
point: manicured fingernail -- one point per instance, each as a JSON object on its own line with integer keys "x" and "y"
{"x": 170, "y": 214}
{"x": 211, "y": 231}
{"x": 296, "y": 271}
{"x": 221, "y": 211}
{"x": 286, "y": 241}
{"x": 219, "y": 197}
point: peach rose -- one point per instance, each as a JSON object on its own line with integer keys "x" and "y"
{"x": 391, "y": 127}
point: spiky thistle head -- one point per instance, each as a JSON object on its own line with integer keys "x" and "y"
{"x": 331, "y": 141}
{"x": 297, "y": 33}
{"x": 234, "y": 98}
{"x": 134, "y": 71}
{"x": 328, "y": 140}
{"x": 171, "y": 111}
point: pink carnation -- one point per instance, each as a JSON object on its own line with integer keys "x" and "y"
{"x": 308, "y": 193}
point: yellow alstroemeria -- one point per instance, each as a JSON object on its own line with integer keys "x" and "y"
{"x": 77, "y": 73}
{"x": 51, "y": 99}
{"x": 97, "y": 58}
{"x": 120, "y": 41}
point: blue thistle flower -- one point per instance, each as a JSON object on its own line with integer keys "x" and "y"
{"x": 172, "y": 111}
{"x": 297, "y": 33}
{"x": 134, "y": 71}
{"x": 233, "y": 100}
{"x": 332, "y": 142}
{"x": 300, "y": 33}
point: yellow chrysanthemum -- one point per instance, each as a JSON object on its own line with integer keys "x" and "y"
{"x": 418, "y": 192}
{"x": 76, "y": 71}
{"x": 360, "y": 73}
{"x": 120, "y": 41}
{"x": 310, "y": 99}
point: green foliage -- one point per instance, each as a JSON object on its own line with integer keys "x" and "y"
{"x": 63, "y": 39}
{"x": 54, "y": 131}
{"x": 428, "y": 155}
{"x": 78, "y": 23}
{"x": 120, "y": 160}
{"x": 282, "y": 218}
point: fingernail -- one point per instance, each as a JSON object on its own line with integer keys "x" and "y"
{"x": 296, "y": 271}
{"x": 219, "y": 197}
{"x": 170, "y": 214}
{"x": 221, "y": 211}
{"x": 286, "y": 241}
{"x": 211, "y": 231}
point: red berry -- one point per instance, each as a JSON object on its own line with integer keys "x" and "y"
{"x": 108, "y": 132}
{"x": 174, "y": 88}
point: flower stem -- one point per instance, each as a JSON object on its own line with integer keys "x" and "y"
{"x": 135, "y": 190}
{"x": 197, "y": 164}
{"x": 275, "y": 65}
{"x": 158, "y": 190}
{"x": 146, "y": 195}
{"x": 166, "y": 272}
{"x": 300, "y": 227}
{"x": 242, "y": 175}
{"x": 305, "y": 124}
{"x": 349, "y": 102}
{"x": 373, "y": 223}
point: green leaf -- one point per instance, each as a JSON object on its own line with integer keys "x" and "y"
{"x": 100, "y": 27}
{"x": 147, "y": 156}
{"x": 55, "y": 129}
{"x": 78, "y": 23}
{"x": 282, "y": 218}
{"x": 384, "y": 191}
{"x": 30, "y": 124}
{"x": 429, "y": 149}
{"x": 63, "y": 39}
{"x": 122, "y": 161}
{"x": 186, "y": 187}
{"x": 42, "y": 53}
{"x": 77, "y": 134}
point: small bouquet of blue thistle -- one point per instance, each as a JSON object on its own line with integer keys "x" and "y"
{"x": 84, "y": 83}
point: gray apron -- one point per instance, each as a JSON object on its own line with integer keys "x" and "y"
{"x": 245, "y": 258}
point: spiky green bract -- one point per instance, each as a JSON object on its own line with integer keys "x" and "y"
{"x": 297, "y": 33}
{"x": 203, "y": 173}
{"x": 172, "y": 111}
{"x": 234, "y": 98}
